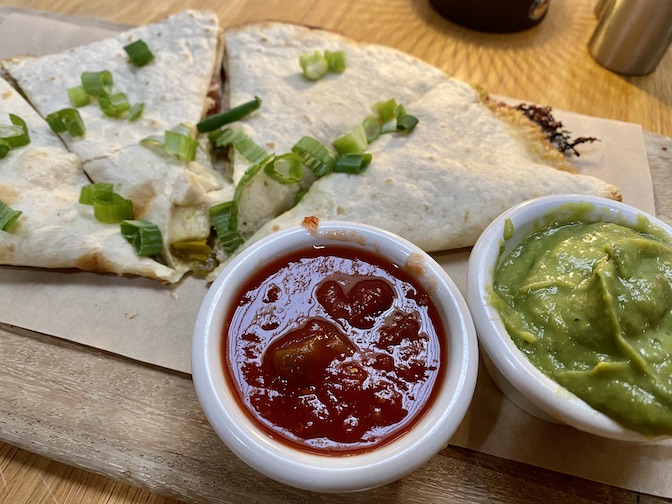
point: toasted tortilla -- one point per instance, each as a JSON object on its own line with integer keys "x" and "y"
{"x": 174, "y": 88}
{"x": 43, "y": 181}
{"x": 468, "y": 159}
{"x": 263, "y": 60}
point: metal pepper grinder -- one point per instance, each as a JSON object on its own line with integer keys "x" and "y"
{"x": 631, "y": 36}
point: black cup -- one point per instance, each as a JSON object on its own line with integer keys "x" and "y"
{"x": 497, "y": 16}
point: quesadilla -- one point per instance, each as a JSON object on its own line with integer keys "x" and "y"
{"x": 468, "y": 159}
{"x": 174, "y": 89}
{"x": 42, "y": 180}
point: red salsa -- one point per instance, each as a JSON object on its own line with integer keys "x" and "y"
{"x": 334, "y": 350}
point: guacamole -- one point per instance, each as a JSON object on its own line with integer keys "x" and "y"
{"x": 590, "y": 304}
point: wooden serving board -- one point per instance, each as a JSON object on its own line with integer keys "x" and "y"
{"x": 143, "y": 425}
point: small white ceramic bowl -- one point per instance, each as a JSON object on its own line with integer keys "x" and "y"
{"x": 519, "y": 380}
{"x": 335, "y": 473}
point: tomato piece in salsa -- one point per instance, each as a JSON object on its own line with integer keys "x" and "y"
{"x": 334, "y": 350}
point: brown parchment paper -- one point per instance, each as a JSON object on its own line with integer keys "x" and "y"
{"x": 147, "y": 321}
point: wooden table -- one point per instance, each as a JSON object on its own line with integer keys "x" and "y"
{"x": 99, "y": 404}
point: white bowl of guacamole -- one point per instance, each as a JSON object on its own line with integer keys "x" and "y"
{"x": 572, "y": 301}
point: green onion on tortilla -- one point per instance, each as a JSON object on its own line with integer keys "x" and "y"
{"x": 67, "y": 119}
{"x": 235, "y": 114}
{"x": 78, "y": 96}
{"x": 108, "y": 206}
{"x": 139, "y": 53}
{"x": 8, "y": 216}
{"x": 143, "y": 235}
{"x": 97, "y": 83}
{"x": 13, "y": 135}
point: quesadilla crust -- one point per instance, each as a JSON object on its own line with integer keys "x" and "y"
{"x": 531, "y": 135}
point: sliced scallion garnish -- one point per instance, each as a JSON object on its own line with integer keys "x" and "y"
{"x": 114, "y": 105}
{"x": 241, "y": 142}
{"x": 231, "y": 241}
{"x": 224, "y": 217}
{"x": 314, "y": 66}
{"x": 136, "y": 111}
{"x": 14, "y": 135}
{"x": 111, "y": 208}
{"x": 286, "y": 169}
{"x": 335, "y": 60}
{"x": 143, "y": 235}
{"x": 8, "y": 216}
{"x": 67, "y": 119}
{"x": 78, "y": 96}
{"x": 406, "y": 123}
{"x": 319, "y": 158}
{"x": 97, "y": 83}
{"x": 352, "y": 163}
{"x": 235, "y": 114}
{"x": 181, "y": 146}
{"x": 90, "y": 192}
{"x": 139, "y": 53}
{"x": 352, "y": 142}
{"x": 371, "y": 127}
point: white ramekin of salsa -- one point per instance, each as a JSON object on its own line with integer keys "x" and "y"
{"x": 572, "y": 301}
{"x": 334, "y": 356}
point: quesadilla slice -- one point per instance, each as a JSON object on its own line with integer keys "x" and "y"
{"x": 468, "y": 159}
{"x": 439, "y": 187}
{"x": 173, "y": 90}
{"x": 42, "y": 181}
{"x": 262, "y": 60}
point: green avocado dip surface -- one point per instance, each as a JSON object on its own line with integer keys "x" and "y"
{"x": 590, "y": 305}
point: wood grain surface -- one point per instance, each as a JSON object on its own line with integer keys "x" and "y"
{"x": 87, "y": 408}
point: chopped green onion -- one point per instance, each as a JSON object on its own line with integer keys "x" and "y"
{"x": 136, "y": 111}
{"x": 191, "y": 250}
{"x": 371, "y": 127}
{"x": 387, "y": 110}
{"x": 242, "y": 143}
{"x": 14, "y": 135}
{"x": 315, "y": 155}
{"x": 335, "y": 60}
{"x": 245, "y": 179}
{"x": 114, "y": 105}
{"x": 143, "y": 235}
{"x": 91, "y": 192}
{"x": 224, "y": 217}
{"x": 139, "y": 53}
{"x": 97, "y": 83}
{"x": 78, "y": 96}
{"x": 352, "y": 142}
{"x": 235, "y": 114}
{"x": 111, "y": 208}
{"x": 314, "y": 65}
{"x": 180, "y": 146}
{"x": 286, "y": 169}
{"x": 231, "y": 241}
{"x": 8, "y": 216}
{"x": 406, "y": 123}
{"x": 352, "y": 163}
{"x": 67, "y": 119}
